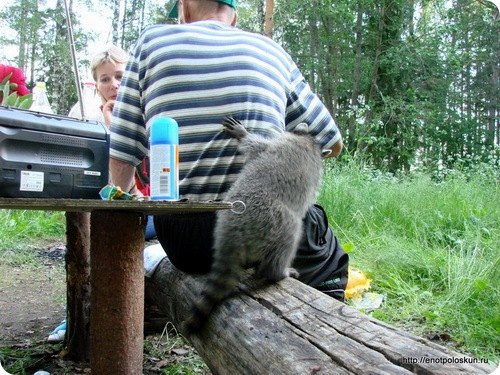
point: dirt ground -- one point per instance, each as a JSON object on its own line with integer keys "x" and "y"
{"x": 32, "y": 301}
{"x": 32, "y": 304}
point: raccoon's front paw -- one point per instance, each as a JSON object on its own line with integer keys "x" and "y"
{"x": 292, "y": 272}
{"x": 192, "y": 325}
{"x": 234, "y": 127}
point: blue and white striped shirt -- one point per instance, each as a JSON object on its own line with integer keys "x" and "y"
{"x": 198, "y": 74}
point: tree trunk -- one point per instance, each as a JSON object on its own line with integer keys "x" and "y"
{"x": 356, "y": 88}
{"x": 23, "y": 39}
{"x": 492, "y": 132}
{"x": 268, "y": 21}
{"x": 376, "y": 62}
{"x": 115, "y": 22}
{"x": 60, "y": 62}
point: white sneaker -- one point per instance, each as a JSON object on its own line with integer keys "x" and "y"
{"x": 58, "y": 333}
{"x": 56, "y": 337}
{"x": 153, "y": 255}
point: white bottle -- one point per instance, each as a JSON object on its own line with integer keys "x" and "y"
{"x": 40, "y": 100}
{"x": 91, "y": 104}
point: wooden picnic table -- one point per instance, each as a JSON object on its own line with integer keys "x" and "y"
{"x": 116, "y": 272}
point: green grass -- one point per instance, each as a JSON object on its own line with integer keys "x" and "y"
{"x": 24, "y": 229}
{"x": 431, "y": 248}
{"x": 182, "y": 359}
{"x": 22, "y": 360}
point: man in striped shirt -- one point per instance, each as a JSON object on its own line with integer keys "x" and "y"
{"x": 199, "y": 72}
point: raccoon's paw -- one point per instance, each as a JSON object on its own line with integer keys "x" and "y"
{"x": 193, "y": 324}
{"x": 234, "y": 127}
{"x": 292, "y": 272}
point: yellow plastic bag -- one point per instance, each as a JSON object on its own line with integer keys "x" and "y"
{"x": 357, "y": 283}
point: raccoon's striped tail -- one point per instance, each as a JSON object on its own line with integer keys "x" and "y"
{"x": 221, "y": 283}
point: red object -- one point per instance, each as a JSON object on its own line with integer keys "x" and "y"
{"x": 17, "y": 77}
{"x": 144, "y": 170}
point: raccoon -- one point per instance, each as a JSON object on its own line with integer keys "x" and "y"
{"x": 277, "y": 184}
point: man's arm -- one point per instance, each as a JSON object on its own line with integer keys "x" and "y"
{"x": 122, "y": 175}
{"x": 336, "y": 149}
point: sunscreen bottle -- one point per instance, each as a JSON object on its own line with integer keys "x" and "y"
{"x": 164, "y": 159}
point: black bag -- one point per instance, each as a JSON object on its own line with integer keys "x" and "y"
{"x": 320, "y": 260}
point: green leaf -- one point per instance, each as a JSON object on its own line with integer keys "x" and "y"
{"x": 348, "y": 247}
{"x": 25, "y": 101}
{"x": 11, "y": 99}
{"x": 379, "y": 315}
{"x": 481, "y": 285}
{"x": 6, "y": 79}
{"x": 430, "y": 314}
{"x": 5, "y": 94}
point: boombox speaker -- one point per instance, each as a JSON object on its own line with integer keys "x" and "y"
{"x": 51, "y": 156}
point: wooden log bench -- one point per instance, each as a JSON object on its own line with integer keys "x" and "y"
{"x": 290, "y": 328}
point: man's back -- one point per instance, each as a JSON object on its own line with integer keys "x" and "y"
{"x": 198, "y": 74}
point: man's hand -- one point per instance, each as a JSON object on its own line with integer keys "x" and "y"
{"x": 122, "y": 175}
{"x": 336, "y": 149}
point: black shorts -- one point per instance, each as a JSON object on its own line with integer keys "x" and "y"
{"x": 187, "y": 239}
{"x": 321, "y": 262}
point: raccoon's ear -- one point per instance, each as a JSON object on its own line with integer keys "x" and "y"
{"x": 325, "y": 153}
{"x": 301, "y": 128}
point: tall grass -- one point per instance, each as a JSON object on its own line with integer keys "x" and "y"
{"x": 432, "y": 248}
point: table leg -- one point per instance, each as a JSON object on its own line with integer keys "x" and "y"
{"x": 78, "y": 285}
{"x": 117, "y": 297}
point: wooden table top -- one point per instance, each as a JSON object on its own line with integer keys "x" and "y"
{"x": 89, "y": 205}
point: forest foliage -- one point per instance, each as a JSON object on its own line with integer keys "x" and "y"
{"x": 411, "y": 83}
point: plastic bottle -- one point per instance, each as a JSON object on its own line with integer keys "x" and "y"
{"x": 40, "y": 100}
{"x": 164, "y": 159}
{"x": 91, "y": 104}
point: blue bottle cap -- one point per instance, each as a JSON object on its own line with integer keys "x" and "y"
{"x": 164, "y": 130}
